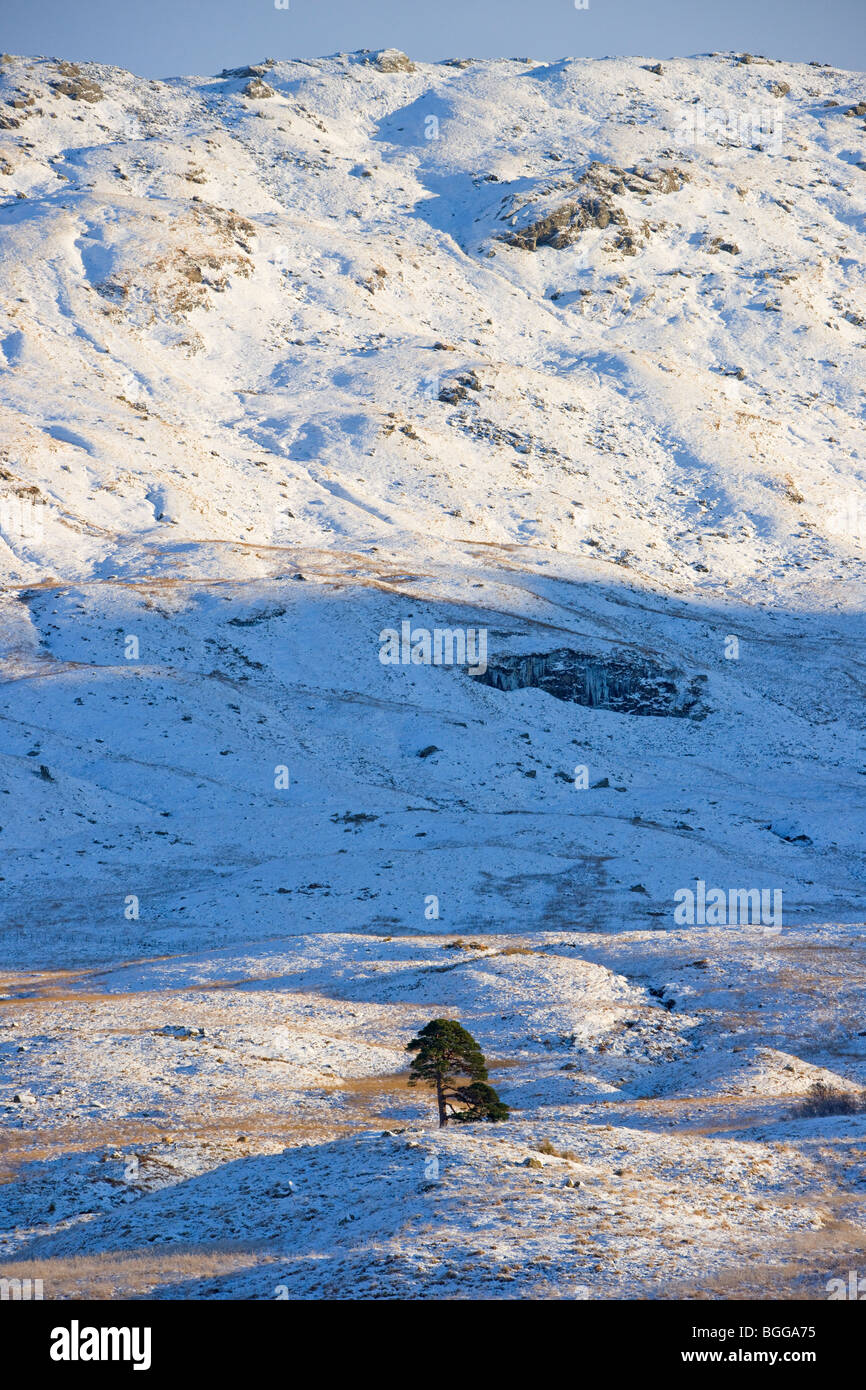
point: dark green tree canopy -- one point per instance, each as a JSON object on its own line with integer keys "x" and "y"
{"x": 446, "y": 1051}
{"x": 483, "y": 1102}
{"x": 445, "y": 1047}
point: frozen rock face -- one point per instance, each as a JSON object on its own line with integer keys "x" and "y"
{"x": 628, "y": 685}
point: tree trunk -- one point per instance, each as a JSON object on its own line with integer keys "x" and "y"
{"x": 440, "y": 1101}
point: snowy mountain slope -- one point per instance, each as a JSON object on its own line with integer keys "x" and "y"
{"x": 155, "y": 777}
{"x": 251, "y": 337}
{"x": 222, "y": 313}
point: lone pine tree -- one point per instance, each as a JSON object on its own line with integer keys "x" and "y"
{"x": 445, "y": 1051}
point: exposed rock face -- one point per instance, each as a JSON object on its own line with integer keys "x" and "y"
{"x": 258, "y": 89}
{"x": 620, "y": 682}
{"x": 251, "y": 69}
{"x": 79, "y": 89}
{"x": 593, "y": 207}
{"x": 75, "y": 84}
{"x": 459, "y": 389}
{"x": 391, "y": 60}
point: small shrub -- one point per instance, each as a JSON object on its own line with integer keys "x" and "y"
{"x": 824, "y": 1100}
{"x": 546, "y": 1147}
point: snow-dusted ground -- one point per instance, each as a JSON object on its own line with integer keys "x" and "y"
{"x": 273, "y": 378}
{"x": 238, "y": 1123}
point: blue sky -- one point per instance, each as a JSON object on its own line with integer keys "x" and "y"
{"x": 161, "y": 38}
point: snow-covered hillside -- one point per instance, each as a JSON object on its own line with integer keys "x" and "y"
{"x": 222, "y": 313}
{"x": 273, "y": 324}
{"x": 570, "y": 355}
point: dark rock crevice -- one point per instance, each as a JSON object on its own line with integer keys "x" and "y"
{"x": 620, "y": 682}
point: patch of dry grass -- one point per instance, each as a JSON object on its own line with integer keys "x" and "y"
{"x": 134, "y": 1273}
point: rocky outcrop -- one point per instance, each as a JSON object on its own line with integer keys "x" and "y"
{"x": 257, "y": 89}
{"x": 593, "y": 207}
{"x": 391, "y": 60}
{"x": 75, "y": 85}
{"x": 619, "y": 681}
